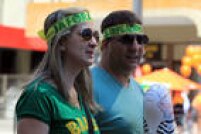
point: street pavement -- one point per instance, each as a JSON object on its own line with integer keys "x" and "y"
{"x": 6, "y": 126}
{"x": 6, "y": 118}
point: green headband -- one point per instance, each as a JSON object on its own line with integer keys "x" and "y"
{"x": 122, "y": 29}
{"x": 66, "y": 22}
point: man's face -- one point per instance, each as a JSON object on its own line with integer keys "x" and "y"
{"x": 126, "y": 51}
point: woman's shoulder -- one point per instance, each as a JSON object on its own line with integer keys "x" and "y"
{"x": 37, "y": 92}
{"x": 39, "y": 87}
{"x": 35, "y": 101}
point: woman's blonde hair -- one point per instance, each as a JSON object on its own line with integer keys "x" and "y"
{"x": 51, "y": 66}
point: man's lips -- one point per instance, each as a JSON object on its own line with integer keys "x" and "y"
{"x": 132, "y": 57}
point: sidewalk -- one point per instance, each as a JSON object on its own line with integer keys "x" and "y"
{"x": 6, "y": 126}
{"x": 6, "y": 119}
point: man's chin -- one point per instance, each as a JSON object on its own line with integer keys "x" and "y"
{"x": 131, "y": 67}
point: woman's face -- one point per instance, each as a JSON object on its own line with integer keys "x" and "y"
{"x": 80, "y": 45}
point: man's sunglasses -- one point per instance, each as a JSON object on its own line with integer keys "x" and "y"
{"x": 87, "y": 34}
{"x": 129, "y": 38}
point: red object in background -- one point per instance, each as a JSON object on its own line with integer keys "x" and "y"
{"x": 137, "y": 72}
{"x": 146, "y": 69}
{"x": 11, "y": 37}
{"x": 186, "y": 60}
{"x": 185, "y": 71}
{"x": 36, "y": 44}
{"x": 199, "y": 69}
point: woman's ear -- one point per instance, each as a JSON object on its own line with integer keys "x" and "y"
{"x": 62, "y": 44}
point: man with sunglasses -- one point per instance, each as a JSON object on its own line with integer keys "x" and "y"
{"x": 120, "y": 97}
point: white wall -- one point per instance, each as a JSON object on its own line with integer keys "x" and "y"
{"x": 14, "y": 12}
{"x": 1, "y": 10}
{"x": 42, "y": 0}
{"x": 53, "y": 0}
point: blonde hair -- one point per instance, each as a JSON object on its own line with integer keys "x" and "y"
{"x": 51, "y": 66}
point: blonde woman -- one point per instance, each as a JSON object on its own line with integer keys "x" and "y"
{"x": 59, "y": 98}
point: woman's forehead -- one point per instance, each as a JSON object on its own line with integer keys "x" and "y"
{"x": 86, "y": 25}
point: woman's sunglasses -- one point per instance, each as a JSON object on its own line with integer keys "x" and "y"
{"x": 87, "y": 34}
{"x": 129, "y": 38}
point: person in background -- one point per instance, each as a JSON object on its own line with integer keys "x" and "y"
{"x": 178, "y": 106}
{"x": 158, "y": 109}
{"x": 59, "y": 99}
{"x": 115, "y": 89}
{"x": 191, "y": 120}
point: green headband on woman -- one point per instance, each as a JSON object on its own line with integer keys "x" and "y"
{"x": 122, "y": 29}
{"x": 66, "y": 22}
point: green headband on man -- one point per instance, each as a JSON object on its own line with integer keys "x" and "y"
{"x": 122, "y": 29}
{"x": 65, "y": 23}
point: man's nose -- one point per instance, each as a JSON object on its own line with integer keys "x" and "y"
{"x": 139, "y": 48}
{"x": 136, "y": 45}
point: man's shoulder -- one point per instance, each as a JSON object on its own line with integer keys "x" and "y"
{"x": 97, "y": 72}
{"x": 95, "y": 69}
{"x": 136, "y": 85}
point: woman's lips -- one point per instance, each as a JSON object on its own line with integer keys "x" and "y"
{"x": 90, "y": 53}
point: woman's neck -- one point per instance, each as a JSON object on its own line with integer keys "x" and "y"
{"x": 71, "y": 71}
{"x": 70, "y": 74}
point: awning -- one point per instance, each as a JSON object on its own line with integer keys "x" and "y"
{"x": 11, "y": 37}
{"x": 36, "y": 44}
{"x": 167, "y": 76}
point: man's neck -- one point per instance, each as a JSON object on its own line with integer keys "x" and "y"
{"x": 123, "y": 78}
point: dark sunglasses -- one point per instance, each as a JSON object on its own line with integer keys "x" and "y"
{"x": 129, "y": 38}
{"x": 87, "y": 34}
